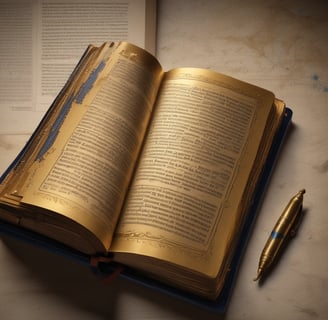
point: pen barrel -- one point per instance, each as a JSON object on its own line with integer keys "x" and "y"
{"x": 289, "y": 216}
{"x": 282, "y": 230}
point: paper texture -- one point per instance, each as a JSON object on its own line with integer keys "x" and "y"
{"x": 42, "y": 41}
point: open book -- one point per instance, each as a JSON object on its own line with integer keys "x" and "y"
{"x": 156, "y": 170}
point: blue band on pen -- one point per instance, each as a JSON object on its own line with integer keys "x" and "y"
{"x": 276, "y": 235}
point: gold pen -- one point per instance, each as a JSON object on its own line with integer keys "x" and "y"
{"x": 285, "y": 227}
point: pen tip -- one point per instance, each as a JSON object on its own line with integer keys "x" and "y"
{"x": 258, "y": 276}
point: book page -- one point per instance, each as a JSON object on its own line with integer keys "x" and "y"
{"x": 42, "y": 41}
{"x": 184, "y": 202}
{"x": 83, "y": 169}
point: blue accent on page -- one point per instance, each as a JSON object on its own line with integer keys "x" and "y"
{"x": 55, "y": 129}
{"x": 85, "y": 88}
{"x": 89, "y": 83}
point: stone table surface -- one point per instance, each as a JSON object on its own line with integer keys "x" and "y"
{"x": 279, "y": 45}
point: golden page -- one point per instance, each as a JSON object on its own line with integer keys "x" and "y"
{"x": 84, "y": 175}
{"x": 183, "y": 206}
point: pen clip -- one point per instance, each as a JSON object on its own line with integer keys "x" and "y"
{"x": 296, "y": 224}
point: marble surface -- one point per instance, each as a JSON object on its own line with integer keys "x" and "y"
{"x": 279, "y": 45}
